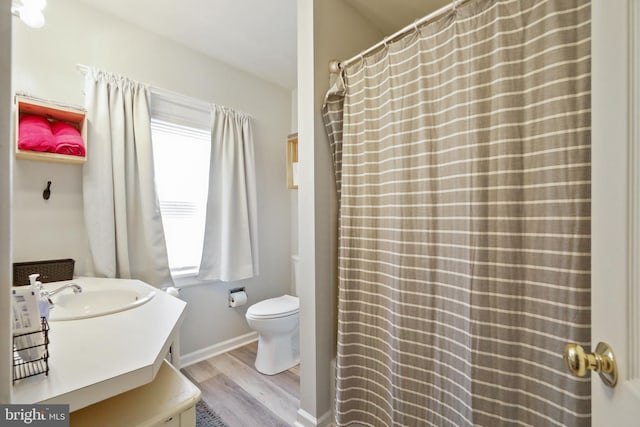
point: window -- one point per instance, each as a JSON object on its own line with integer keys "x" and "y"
{"x": 181, "y": 159}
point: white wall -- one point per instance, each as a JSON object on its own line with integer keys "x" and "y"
{"x": 327, "y": 29}
{"x": 6, "y": 156}
{"x": 44, "y": 66}
{"x": 294, "y": 111}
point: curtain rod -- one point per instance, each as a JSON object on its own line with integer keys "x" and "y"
{"x": 83, "y": 69}
{"x": 418, "y": 22}
{"x": 175, "y": 96}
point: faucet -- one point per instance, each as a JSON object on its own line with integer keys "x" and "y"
{"x": 76, "y": 290}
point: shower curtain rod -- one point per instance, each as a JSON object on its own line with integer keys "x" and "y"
{"x": 417, "y": 23}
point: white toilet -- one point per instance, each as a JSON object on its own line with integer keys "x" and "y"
{"x": 277, "y": 322}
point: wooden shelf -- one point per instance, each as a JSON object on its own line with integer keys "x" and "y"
{"x": 73, "y": 115}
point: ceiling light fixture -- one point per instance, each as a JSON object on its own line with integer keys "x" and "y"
{"x": 30, "y": 12}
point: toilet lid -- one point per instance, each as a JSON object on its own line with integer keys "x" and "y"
{"x": 275, "y": 307}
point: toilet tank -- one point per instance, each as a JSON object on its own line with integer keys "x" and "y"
{"x": 295, "y": 268}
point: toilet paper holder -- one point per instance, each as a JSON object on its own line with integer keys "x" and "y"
{"x": 231, "y": 292}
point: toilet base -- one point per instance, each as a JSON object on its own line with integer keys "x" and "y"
{"x": 277, "y": 354}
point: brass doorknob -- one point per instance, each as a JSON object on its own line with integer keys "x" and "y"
{"x": 602, "y": 361}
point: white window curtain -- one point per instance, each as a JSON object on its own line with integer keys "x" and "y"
{"x": 230, "y": 249}
{"x": 121, "y": 208}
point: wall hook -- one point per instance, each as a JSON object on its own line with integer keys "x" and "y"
{"x": 47, "y": 191}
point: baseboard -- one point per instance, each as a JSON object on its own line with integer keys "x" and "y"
{"x": 216, "y": 349}
{"x": 305, "y": 419}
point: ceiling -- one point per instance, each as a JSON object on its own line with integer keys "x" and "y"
{"x": 257, "y": 36}
{"x": 389, "y": 16}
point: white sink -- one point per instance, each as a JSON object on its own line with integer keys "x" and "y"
{"x": 96, "y": 301}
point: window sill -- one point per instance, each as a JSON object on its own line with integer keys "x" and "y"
{"x": 186, "y": 280}
{"x": 184, "y": 274}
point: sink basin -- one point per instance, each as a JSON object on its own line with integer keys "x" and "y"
{"x": 96, "y": 301}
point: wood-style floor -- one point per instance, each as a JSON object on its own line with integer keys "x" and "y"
{"x": 242, "y": 396}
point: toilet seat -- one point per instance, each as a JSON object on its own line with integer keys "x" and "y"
{"x": 273, "y": 308}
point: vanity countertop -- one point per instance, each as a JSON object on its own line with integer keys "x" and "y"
{"x": 96, "y": 358}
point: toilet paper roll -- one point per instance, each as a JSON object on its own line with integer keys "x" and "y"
{"x": 236, "y": 299}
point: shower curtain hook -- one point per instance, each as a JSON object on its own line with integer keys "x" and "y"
{"x": 415, "y": 26}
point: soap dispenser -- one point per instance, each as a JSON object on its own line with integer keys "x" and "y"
{"x": 43, "y": 299}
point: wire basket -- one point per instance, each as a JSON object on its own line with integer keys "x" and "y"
{"x": 53, "y": 270}
{"x": 34, "y": 366}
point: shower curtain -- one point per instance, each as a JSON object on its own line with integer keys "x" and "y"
{"x": 462, "y": 158}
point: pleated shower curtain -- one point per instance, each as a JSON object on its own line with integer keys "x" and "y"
{"x": 462, "y": 153}
{"x": 121, "y": 209}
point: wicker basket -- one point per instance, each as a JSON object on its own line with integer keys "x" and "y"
{"x": 53, "y": 270}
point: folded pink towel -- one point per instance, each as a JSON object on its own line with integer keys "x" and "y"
{"x": 67, "y": 139}
{"x": 34, "y": 134}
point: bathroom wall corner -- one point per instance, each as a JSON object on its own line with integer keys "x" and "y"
{"x": 327, "y": 29}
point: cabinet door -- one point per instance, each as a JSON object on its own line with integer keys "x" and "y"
{"x": 188, "y": 417}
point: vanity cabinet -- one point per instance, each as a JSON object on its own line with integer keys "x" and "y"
{"x": 74, "y": 116}
{"x": 168, "y": 401}
{"x": 95, "y": 359}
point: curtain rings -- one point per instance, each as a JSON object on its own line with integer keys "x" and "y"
{"x": 416, "y": 28}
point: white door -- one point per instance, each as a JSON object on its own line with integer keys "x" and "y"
{"x": 615, "y": 283}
